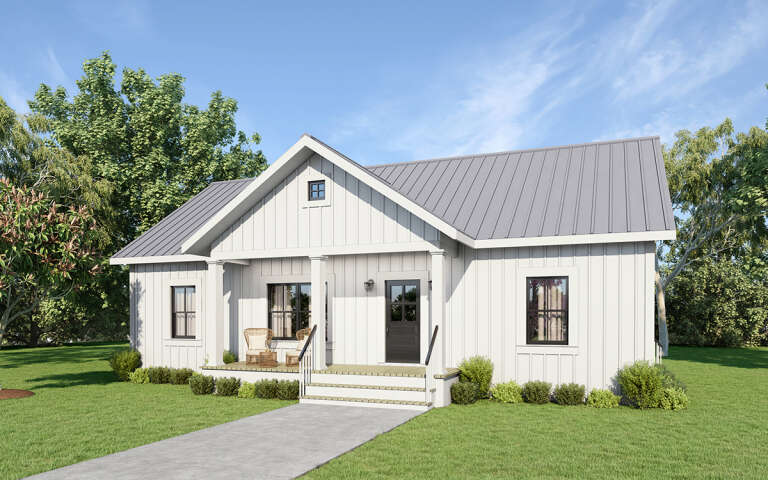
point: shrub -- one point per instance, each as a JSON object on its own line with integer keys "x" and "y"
{"x": 229, "y": 357}
{"x": 159, "y": 374}
{"x": 180, "y": 376}
{"x": 464, "y": 393}
{"x": 124, "y": 362}
{"x": 266, "y": 388}
{"x": 569, "y": 394}
{"x": 201, "y": 384}
{"x": 668, "y": 379}
{"x": 139, "y": 376}
{"x": 602, "y": 399}
{"x": 537, "y": 392}
{"x": 247, "y": 390}
{"x": 288, "y": 390}
{"x": 673, "y": 398}
{"x": 477, "y": 370}
{"x": 509, "y": 392}
{"x": 227, "y": 387}
{"x": 641, "y": 384}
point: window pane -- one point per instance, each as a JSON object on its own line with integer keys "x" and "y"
{"x": 275, "y": 298}
{"x": 410, "y": 313}
{"x": 289, "y": 301}
{"x": 191, "y": 324}
{"x": 547, "y": 310}
{"x": 396, "y": 312}
{"x": 396, "y": 293}
{"x": 306, "y": 297}
{"x": 180, "y": 324}
{"x": 303, "y": 318}
{"x": 190, "y": 299}
{"x": 287, "y": 330}
{"x": 178, "y": 299}
{"x": 411, "y": 293}
{"x": 278, "y": 324}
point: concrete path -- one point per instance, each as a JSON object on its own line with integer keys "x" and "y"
{"x": 282, "y": 443}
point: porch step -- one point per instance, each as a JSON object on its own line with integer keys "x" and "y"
{"x": 367, "y": 380}
{"x": 377, "y": 392}
{"x": 366, "y": 402}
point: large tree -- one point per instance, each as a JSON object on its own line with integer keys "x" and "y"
{"x": 718, "y": 182}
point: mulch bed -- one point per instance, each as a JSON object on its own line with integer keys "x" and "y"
{"x": 7, "y": 393}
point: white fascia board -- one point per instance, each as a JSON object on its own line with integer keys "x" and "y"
{"x": 324, "y": 251}
{"x": 156, "y": 259}
{"x": 576, "y": 239}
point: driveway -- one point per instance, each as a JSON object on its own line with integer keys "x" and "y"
{"x": 282, "y": 443}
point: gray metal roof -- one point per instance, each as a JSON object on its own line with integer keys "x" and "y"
{"x": 166, "y": 237}
{"x": 603, "y": 187}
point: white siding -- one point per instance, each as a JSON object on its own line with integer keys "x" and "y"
{"x": 150, "y": 319}
{"x": 355, "y": 215}
{"x": 611, "y": 314}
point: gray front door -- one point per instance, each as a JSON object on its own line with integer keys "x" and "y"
{"x": 403, "y": 323}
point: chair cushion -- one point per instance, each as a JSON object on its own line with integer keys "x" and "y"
{"x": 257, "y": 341}
{"x": 251, "y": 351}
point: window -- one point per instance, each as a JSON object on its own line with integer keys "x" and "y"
{"x": 316, "y": 190}
{"x": 290, "y": 308}
{"x": 547, "y": 310}
{"x": 183, "y": 312}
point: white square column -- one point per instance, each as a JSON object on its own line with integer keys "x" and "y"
{"x": 318, "y": 278}
{"x": 216, "y": 313}
{"x": 437, "y": 361}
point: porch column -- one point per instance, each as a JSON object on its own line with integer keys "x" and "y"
{"x": 216, "y": 313}
{"x": 437, "y": 361}
{"x": 318, "y": 276}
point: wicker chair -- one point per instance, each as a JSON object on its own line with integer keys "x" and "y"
{"x": 292, "y": 356}
{"x": 258, "y": 340}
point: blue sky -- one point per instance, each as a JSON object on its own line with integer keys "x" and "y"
{"x": 406, "y": 80}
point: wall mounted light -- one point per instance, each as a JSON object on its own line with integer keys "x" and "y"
{"x": 368, "y": 284}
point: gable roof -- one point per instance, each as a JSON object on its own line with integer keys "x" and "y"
{"x": 166, "y": 237}
{"x": 586, "y": 193}
{"x": 594, "y": 188}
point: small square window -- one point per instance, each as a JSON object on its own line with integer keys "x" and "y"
{"x": 317, "y": 190}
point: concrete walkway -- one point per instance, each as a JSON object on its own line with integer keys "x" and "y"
{"x": 282, "y": 443}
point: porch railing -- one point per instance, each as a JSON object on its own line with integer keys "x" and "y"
{"x": 306, "y": 362}
{"x": 659, "y": 352}
{"x": 429, "y": 374}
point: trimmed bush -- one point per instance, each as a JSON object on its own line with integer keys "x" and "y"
{"x": 669, "y": 380}
{"x": 159, "y": 374}
{"x": 201, "y": 384}
{"x": 266, "y": 388}
{"x": 229, "y": 357}
{"x": 139, "y": 376}
{"x": 464, "y": 393}
{"x": 227, "y": 387}
{"x": 569, "y": 394}
{"x": 602, "y": 399}
{"x": 509, "y": 392}
{"x": 537, "y": 392}
{"x": 673, "y": 398}
{"x": 124, "y": 362}
{"x": 288, "y": 390}
{"x": 477, "y": 370}
{"x": 247, "y": 390}
{"x": 641, "y": 384}
{"x": 180, "y": 376}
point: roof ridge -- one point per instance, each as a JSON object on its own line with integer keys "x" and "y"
{"x": 507, "y": 152}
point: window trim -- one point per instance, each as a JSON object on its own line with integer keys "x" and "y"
{"x": 519, "y": 297}
{"x": 296, "y": 314}
{"x": 312, "y": 183}
{"x": 186, "y": 313}
{"x": 528, "y": 339}
{"x": 192, "y": 281}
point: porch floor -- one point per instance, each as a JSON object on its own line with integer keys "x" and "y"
{"x": 244, "y": 367}
{"x": 340, "y": 369}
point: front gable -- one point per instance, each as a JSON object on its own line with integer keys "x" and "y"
{"x": 284, "y": 222}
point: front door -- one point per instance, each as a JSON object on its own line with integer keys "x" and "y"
{"x": 402, "y": 321}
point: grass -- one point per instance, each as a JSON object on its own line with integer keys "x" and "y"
{"x": 80, "y": 410}
{"x": 724, "y": 433}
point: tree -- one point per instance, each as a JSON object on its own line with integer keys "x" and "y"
{"x": 45, "y": 251}
{"x": 719, "y": 188}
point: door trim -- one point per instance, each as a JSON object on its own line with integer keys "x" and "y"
{"x": 380, "y": 310}
{"x": 407, "y": 348}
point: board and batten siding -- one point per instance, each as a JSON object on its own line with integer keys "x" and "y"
{"x": 150, "y": 314}
{"x": 355, "y": 316}
{"x": 612, "y": 291}
{"x": 353, "y": 214}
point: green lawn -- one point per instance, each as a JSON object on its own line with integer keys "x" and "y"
{"x": 80, "y": 410}
{"x": 723, "y": 434}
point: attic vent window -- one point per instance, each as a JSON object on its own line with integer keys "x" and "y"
{"x": 317, "y": 190}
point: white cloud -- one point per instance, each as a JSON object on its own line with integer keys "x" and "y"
{"x": 57, "y": 73}
{"x": 14, "y": 94}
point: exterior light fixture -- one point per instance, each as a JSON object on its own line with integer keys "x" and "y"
{"x": 368, "y": 284}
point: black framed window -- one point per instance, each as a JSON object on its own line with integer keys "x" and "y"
{"x": 547, "y": 310}
{"x": 183, "y": 312}
{"x": 316, "y": 190}
{"x": 290, "y": 308}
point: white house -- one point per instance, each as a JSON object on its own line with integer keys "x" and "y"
{"x": 541, "y": 260}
